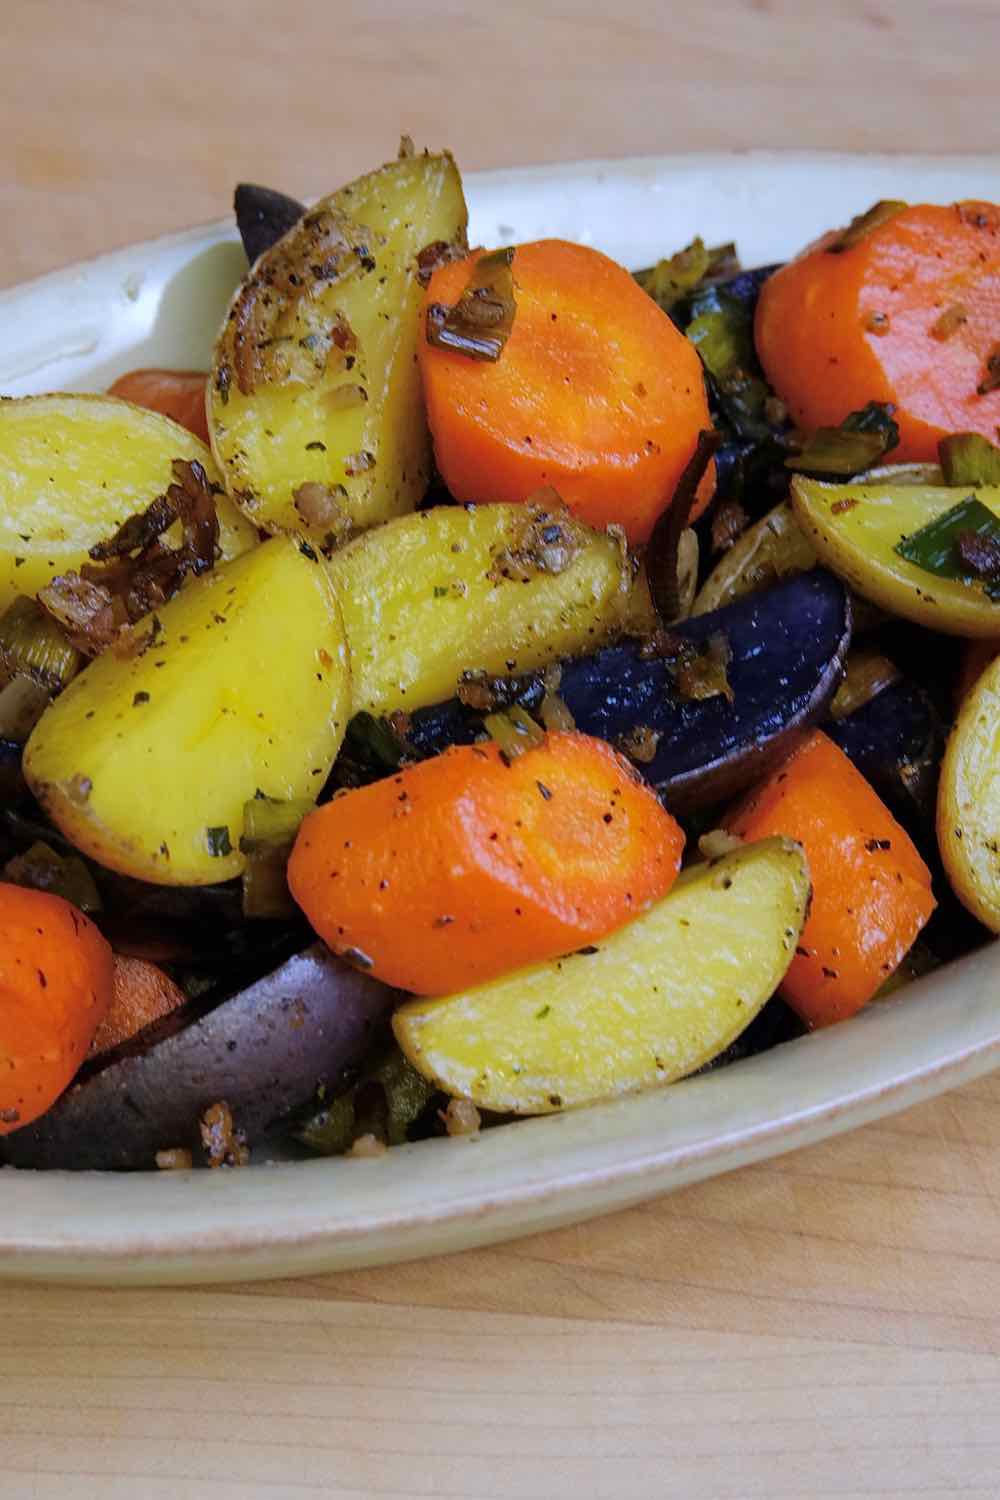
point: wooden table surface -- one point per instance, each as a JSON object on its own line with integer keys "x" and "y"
{"x": 827, "y": 1324}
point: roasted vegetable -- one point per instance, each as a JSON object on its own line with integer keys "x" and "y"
{"x": 901, "y": 308}
{"x": 467, "y": 865}
{"x": 499, "y": 588}
{"x": 55, "y": 984}
{"x": 177, "y": 394}
{"x": 857, "y": 529}
{"x": 264, "y": 1053}
{"x": 786, "y": 648}
{"x": 142, "y": 994}
{"x": 263, "y": 215}
{"x": 676, "y": 986}
{"x": 896, "y": 739}
{"x": 871, "y": 889}
{"x": 73, "y": 469}
{"x": 239, "y": 684}
{"x": 315, "y": 393}
{"x": 968, "y": 807}
{"x": 595, "y": 392}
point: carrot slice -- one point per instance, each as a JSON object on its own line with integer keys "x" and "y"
{"x": 871, "y": 889}
{"x": 909, "y": 313}
{"x": 141, "y": 994}
{"x": 55, "y": 987}
{"x": 595, "y": 393}
{"x": 179, "y": 394}
{"x": 466, "y": 866}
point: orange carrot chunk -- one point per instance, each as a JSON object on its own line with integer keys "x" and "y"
{"x": 141, "y": 994}
{"x": 55, "y": 988}
{"x": 179, "y": 394}
{"x": 595, "y": 393}
{"x": 907, "y": 312}
{"x": 871, "y": 889}
{"x": 466, "y": 866}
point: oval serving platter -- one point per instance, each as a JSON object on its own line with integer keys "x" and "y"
{"x": 160, "y": 304}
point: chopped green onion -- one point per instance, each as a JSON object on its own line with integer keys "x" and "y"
{"x": 963, "y": 544}
{"x": 270, "y": 828}
{"x": 677, "y": 276}
{"x": 33, "y": 645}
{"x": 966, "y": 458}
{"x": 859, "y": 442}
{"x": 218, "y": 841}
{"x": 22, "y": 703}
{"x": 721, "y": 329}
{"x": 392, "y": 1095}
{"x": 481, "y": 321}
{"x": 862, "y": 225}
{"x": 514, "y": 731}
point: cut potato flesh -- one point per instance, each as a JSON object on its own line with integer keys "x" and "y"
{"x": 239, "y": 684}
{"x": 855, "y": 529}
{"x": 431, "y": 595}
{"x": 315, "y": 379}
{"x": 657, "y": 1000}
{"x": 73, "y": 468}
{"x": 968, "y": 808}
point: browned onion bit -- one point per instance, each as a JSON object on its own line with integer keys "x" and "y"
{"x": 661, "y": 553}
{"x": 481, "y": 321}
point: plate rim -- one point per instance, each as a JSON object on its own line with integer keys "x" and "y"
{"x": 474, "y": 1215}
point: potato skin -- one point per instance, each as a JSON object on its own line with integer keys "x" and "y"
{"x": 240, "y": 683}
{"x": 428, "y": 596}
{"x": 968, "y": 806}
{"x": 73, "y": 468}
{"x": 314, "y": 378}
{"x": 653, "y": 1002}
{"x": 855, "y": 527}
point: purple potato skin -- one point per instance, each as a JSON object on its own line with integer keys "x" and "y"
{"x": 265, "y": 1052}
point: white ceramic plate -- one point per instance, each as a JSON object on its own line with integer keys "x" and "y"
{"x": 160, "y": 304}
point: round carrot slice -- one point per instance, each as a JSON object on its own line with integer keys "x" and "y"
{"x": 466, "y": 866}
{"x": 907, "y": 312}
{"x": 55, "y": 988}
{"x": 595, "y": 393}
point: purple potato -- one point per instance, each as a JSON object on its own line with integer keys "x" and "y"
{"x": 263, "y": 215}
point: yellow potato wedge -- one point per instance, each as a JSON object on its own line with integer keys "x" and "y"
{"x": 240, "y": 683}
{"x": 854, "y": 529}
{"x": 73, "y": 468}
{"x": 314, "y": 380}
{"x": 657, "y": 1000}
{"x": 429, "y": 595}
{"x": 968, "y": 806}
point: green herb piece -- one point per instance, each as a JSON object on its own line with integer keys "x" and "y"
{"x": 481, "y": 321}
{"x": 387, "y": 1100}
{"x": 859, "y": 442}
{"x": 218, "y": 843}
{"x": 270, "y": 827}
{"x": 514, "y": 731}
{"x": 677, "y": 276}
{"x": 721, "y": 329}
{"x": 962, "y": 545}
{"x": 966, "y": 458}
{"x": 862, "y": 225}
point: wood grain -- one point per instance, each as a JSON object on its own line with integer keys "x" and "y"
{"x": 823, "y": 1325}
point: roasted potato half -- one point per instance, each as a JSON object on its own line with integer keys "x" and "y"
{"x": 655, "y": 1001}
{"x": 968, "y": 806}
{"x": 239, "y": 684}
{"x": 314, "y": 382}
{"x": 504, "y": 588}
{"x": 73, "y": 468}
{"x": 855, "y": 529}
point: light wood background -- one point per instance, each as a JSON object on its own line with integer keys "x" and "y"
{"x": 825, "y": 1325}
